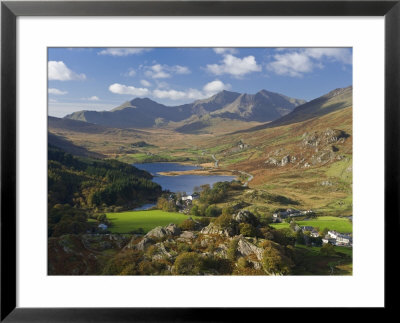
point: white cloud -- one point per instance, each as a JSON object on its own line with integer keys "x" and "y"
{"x": 158, "y": 71}
{"x": 235, "y": 66}
{"x": 208, "y": 90}
{"x": 56, "y": 91}
{"x": 145, "y": 83}
{"x": 162, "y": 84}
{"x": 336, "y": 54}
{"x": 129, "y": 90}
{"x": 180, "y": 69}
{"x": 215, "y": 87}
{"x": 123, "y": 51}
{"x": 225, "y": 50}
{"x": 291, "y": 64}
{"x": 93, "y": 98}
{"x": 296, "y": 62}
{"x": 170, "y": 94}
{"x": 131, "y": 72}
{"x": 60, "y": 72}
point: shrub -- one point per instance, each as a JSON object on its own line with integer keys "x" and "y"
{"x": 188, "y": 225}
{"x": 275, "y": 261}
{"x": 213, "y": 211}
{"x": 231, "y": 252}
{"x": 242, "y": 263}
{"x": 247, "y": 230}
{"x": 183, "y": 247}
{"x": 225, "y": 221}
{"x": 204, "y": 221}
{"x": 195, "y": 210}
{"x": 228, "y": 210}
{"x": 188, "y": 263}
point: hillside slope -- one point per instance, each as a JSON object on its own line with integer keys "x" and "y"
{"x": 330, "y": 102}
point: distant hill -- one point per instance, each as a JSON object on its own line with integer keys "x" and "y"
{"x": 335, "y": 100}
{"x": 144, "y": 113}
{"x": 69, "y": 147}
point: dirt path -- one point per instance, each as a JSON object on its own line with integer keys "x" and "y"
{"x": 215, "y": 159}
{"x": 250, "y": 177}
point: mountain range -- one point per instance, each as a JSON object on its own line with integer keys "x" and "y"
{"x": 263, "y": 106}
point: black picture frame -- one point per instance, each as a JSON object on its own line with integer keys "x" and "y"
{"x": 10, "y": 10}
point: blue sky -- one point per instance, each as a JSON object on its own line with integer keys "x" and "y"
{"x": 103, "y": 78}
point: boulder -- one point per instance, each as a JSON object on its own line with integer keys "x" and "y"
{"x": 245, "y": 248}
{"x": 244, "y": 216}
{"x": 188, "y": 235}
{"x": 173, "y": 229}
{"x": 285, "y": 160}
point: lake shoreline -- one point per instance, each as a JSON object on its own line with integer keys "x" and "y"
{"x": 177, "y": 177}
{"x": 201, "y": 172}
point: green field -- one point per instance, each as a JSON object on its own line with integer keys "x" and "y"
{"x": 342, "y": 225}
{"x": 125, "y": 222}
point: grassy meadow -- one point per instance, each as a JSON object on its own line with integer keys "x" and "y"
{"x": 342, "y": 225}
{"x": 125, "y": 222}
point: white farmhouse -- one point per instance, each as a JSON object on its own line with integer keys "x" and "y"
{"x": 102, "y": 226}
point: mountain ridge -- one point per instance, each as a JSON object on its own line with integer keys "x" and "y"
{"x": 334, "y": 100}
{"x": 144, "y": 112}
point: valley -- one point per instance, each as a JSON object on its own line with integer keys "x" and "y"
{"x": 277, "y": 153}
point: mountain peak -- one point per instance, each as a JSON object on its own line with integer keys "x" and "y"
{"x": 142, "y": 100}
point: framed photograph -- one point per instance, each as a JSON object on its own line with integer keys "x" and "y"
{"x": 162, "y": 158}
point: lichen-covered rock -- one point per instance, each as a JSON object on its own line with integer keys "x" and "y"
{"x": 141, "y": 245}
{"x": 161, "y": 252}
{"x": 188, "y": 235}
{"x": 285, "y": 160}
{"x": 214, "y": 229}
{"x": 173, "y": 229}
{"x": 272, "y": 161}
{"x": 245, "y": 248}
{"x": 244, "y": 216}
{"x": 161, "y": 232}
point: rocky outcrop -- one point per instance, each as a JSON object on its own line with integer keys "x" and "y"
{"x": 161, "y": 252}
{"x": 282, "y": 162}
{"x": 214, "y": 229}
{"x": 161, "y": 232}
{"x": 245, "y": 216}
{"x": 141, "y": 245}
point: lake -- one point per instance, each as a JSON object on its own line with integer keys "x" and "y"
{"x": 180, "y": 183}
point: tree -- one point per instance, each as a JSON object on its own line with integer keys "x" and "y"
{"x": 327, "y": 250}
{"x": 225, "y": 221}
{"x": 247, "y": 230}
{"x": 300, "y": 237}
{"x": 195, "y": 210}
{"x": 275, "y": 261}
